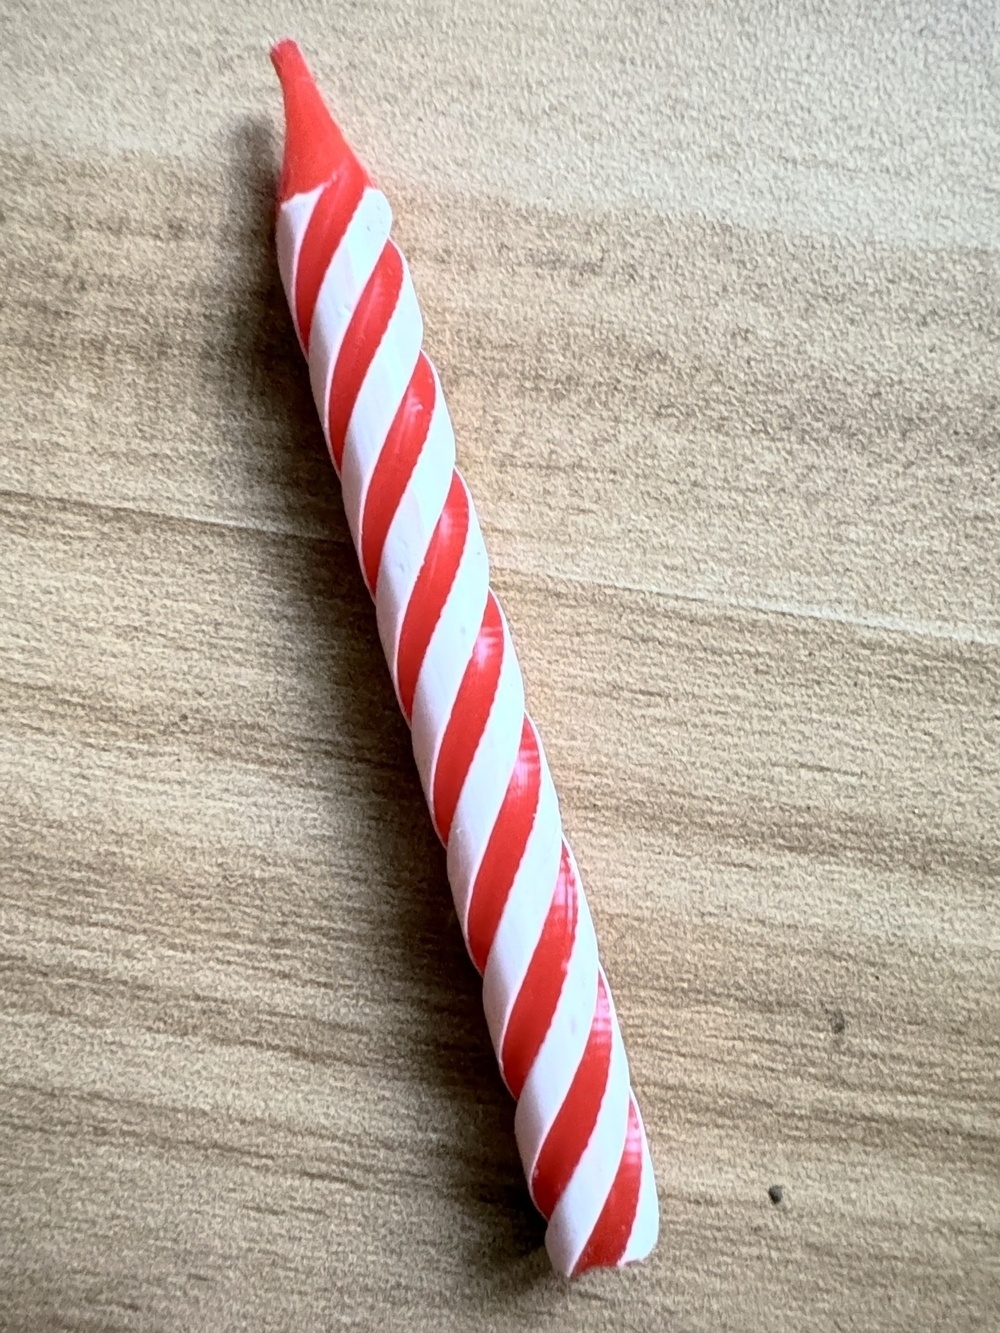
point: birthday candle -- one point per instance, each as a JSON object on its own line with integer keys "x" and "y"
{"x": 514, "y": 879}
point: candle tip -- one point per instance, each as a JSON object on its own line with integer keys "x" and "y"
{"x": 314, "y": 146}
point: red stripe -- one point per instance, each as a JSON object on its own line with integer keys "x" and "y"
{"x": 505, "y": 849}
{"x": 395, "y": 466}
{"x": 430, "y": 592}
{"x": 334, "y": 209}
{"x": 469, "y": 715}
{"x": 574, "y": 1123}
{"x": 361, "y": 341}
{"x": 535, "y": 1004}
{"x": 610, "y": 1236}
{"x": 314, "y": 146}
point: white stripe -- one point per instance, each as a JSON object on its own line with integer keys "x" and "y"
{"x": 449, "y": 651}
{"x": 575, "y": 1215}
{"x": 486, "y": 783}
{"x": 562, "y": 1050}
{"x": 340, "y": 291}
{"x": 378, "y": 400}
{"x": 524, "y": 912}
{"x": 290, "y": 228}
{"x": 413, "y": 526}
{"x": 646, "y": 1226}
{"x": 440, "y": 676}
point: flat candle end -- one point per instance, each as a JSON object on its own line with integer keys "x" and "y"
{"x": 314, "y": 147}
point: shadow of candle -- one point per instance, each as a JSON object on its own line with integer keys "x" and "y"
{"x": 412, "y": 972}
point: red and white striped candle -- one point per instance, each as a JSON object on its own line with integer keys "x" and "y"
{"x": 514, "y": 879}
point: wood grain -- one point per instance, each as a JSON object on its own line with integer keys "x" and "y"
{"x": 737, "y": 468}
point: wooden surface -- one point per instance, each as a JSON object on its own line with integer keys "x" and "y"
{"x": 714, "y": 295}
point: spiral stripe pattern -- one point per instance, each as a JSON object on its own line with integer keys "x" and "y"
{"x": 488, "y": 787}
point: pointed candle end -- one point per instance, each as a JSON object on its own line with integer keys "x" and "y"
{"x": 286, "y": 52}
{"x": 314, "y": 146}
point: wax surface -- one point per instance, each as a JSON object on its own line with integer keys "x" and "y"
{"x": 514, "y": 880}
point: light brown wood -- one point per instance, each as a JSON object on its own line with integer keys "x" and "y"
{"x": 715, "y": 299}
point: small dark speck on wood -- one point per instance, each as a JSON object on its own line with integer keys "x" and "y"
{"x": 775, "y": 1194}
